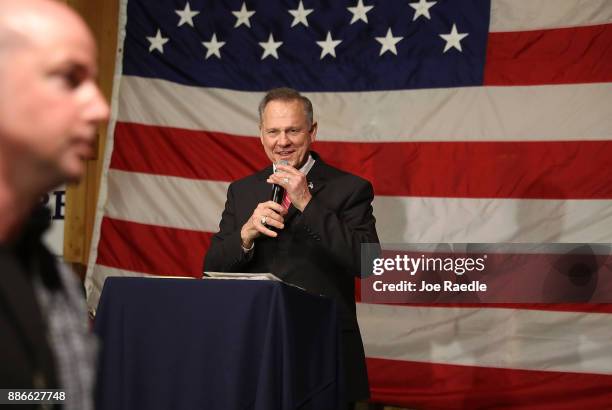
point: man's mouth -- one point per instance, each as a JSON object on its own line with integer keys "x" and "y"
{"x": 85, "y": 150}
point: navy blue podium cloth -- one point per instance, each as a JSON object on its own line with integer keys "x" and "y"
{"x": 216, "y": 344}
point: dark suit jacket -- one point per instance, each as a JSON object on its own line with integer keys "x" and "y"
{"x": 26, "y": 360}
{"x": 319, "y": 249}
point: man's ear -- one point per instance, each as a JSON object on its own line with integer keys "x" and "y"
{"x": 313, "y": 132}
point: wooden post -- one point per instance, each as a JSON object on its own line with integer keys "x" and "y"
{"x": 81, "y": 199}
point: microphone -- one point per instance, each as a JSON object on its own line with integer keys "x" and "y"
{"x": 278, "y": 191}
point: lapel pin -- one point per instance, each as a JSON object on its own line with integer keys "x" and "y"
{"x": 310, "y": 185}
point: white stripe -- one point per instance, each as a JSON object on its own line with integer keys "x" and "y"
{"x": 522, "y": 15}
{"x": 95, "y": 282}
{"x": 489, "y": 337}
{"x": 165, "y": 201}
{"x": 552, "y": 112}
{"x": 432, "y": 220}
{"x": 198, "y": 204}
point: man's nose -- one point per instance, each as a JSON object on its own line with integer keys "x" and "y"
{"x": 96, "y": 108}
{"x": 283, "y": 139}
{"x": 100, "y": 110}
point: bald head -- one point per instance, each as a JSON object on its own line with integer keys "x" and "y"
{"x": 50, "y": 104}
{"x": 19, "y": 12}
{"x": 25, "y": 22}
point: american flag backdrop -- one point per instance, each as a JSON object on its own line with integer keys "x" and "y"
{"x": 475, "y": 121}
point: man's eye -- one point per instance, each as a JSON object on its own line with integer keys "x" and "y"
{"x": 73, "y": 79}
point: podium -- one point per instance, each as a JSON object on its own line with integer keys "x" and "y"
{"x": 216, "y": 344}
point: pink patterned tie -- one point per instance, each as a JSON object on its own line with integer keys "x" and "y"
{"x": 286, "y": 201}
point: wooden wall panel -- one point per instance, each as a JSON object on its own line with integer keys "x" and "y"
{"x": 81, "y": 199}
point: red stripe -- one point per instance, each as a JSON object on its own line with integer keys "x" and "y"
{"x": 178, "y": 252}
{"x": 556, "y": 56}
{"x": 185, "y": 153}
{"x": 441, "y": 386}
{"x": 546, "y": 170}
{"x": 552, "y": 307}
{"x": 574, "y": 276}
{"x": 152, "y": 249}
{"x": 555, "y": 307}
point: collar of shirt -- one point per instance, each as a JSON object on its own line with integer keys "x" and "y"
{"x": 305, "y": 168}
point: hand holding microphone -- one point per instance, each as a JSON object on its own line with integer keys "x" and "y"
{"x": 266, "y": 217}
{"x": 278, "y": 192}
{"x": 271, "y": 214}
{"x": 293, "y": 182}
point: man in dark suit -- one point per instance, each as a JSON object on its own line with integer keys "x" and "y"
{"x": 50, "y": 106}
{"x": 313, "y": 239}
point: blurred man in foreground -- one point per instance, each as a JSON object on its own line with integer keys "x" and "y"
{"x": 313, "y": 237}
{"x": 50, "y": 107}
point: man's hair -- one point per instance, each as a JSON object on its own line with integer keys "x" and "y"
{"x": 286, "y": 94}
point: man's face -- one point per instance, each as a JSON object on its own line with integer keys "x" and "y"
{"x": 285, "y": 132}
{"x": 50, "y": 105}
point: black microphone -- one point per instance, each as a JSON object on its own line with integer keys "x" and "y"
{"x": 278, "y": 192}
